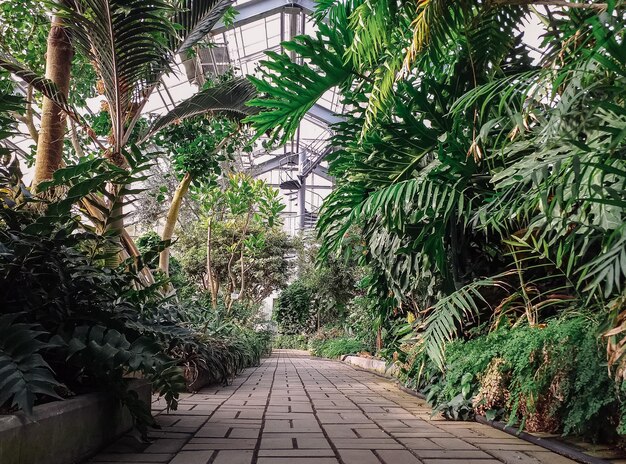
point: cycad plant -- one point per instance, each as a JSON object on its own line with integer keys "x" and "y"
{"x": 486, "y": 182}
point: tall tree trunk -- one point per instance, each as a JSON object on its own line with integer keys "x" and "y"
{"x": 52, "y": 132}
{"x": 232, "y": 258}
{"x": 170, "y": 222}
{"x": 213, "y": 282}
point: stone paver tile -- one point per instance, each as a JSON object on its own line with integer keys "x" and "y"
{"x": 419, "y": 443}
{"x": 234, "y": 457}
{"x": 490, "y": 432}
{"x": 240, "y": 432}
{"x": 292, "y": 426}
{"x": 219, "y": 444}
{"x": 339, "y": 418}
{"x": 328, "y": 452}
{"x": 369, "y": 433}
{"x": 392, "y": 423}
{"x": 514, "y": 457}
{"x": 297, "y": 460}
{"x": 450, "y": 454}
{"x": 166, "y": 445}
{"x": 351, "y": 456}
{"x": 366, "y": 443}
{"x": 193, "y": 457}
{"x": 453, "y": 443}
{"x": 418, "y": 434}
{"x": 280, "y": 441}
{"x": 213, "y": 431}
{"x": 397, "y": 456}
{"x": 518, "y": 445}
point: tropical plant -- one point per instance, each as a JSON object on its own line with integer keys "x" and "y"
{"x": 71, "y": 325}
{"x": 486, "y": 186}
{"x": 293, "y": 311}
{"x": 335, "y": 347}
{"x": 266, "y": 267}
{"x": 108, "y": 34}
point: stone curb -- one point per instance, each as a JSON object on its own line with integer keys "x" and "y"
{"x": 67, "y": 431}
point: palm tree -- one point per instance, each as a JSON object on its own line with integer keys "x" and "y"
{"x": 132, "y": 45}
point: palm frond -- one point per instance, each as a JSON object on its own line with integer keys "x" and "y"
{"x": 196, "y": 19}
{"x": 382, "y": 89}
{"x": 228, "y": 99}
{"x": 289, "y": 89}
{"x": 371, "y": 22}
{"x": 435, "y": 23}
{"x": 444, "y": 319}
{"x": 127, "y": 43}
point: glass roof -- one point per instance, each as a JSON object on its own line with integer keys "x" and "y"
{"x": 262, "y": 25}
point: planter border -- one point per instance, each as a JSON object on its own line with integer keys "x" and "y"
{"x": 551, "y": 445}
{"x": 68, "y": 431}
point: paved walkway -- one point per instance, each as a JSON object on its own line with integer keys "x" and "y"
{"x": 295, "y": 409}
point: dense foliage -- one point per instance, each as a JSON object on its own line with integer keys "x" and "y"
{"x": 292, "y": 313}
{"x": 551, "y": 378}
{"x": 335, "y": 347}
{"x": 480, "y": 179}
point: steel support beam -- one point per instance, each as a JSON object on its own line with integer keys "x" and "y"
{"x": 259, "y": 9}
{"x": 323, "y": 114}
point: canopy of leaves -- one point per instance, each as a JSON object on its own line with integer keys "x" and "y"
{"x": 485, "y": 186}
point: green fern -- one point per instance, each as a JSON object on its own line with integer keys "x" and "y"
{"x": 24, "y": 373}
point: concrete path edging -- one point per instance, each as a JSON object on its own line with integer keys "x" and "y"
{"x": 377, "y": 366}
{"x": 63, "y": 432}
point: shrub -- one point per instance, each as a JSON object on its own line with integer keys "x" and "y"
{"x": 334, "y": 348}
{"x": 293, "y": 310}
{"x": 549, "y": 377}
{"x": 71, "y": 321}
{"x": 290, "y": 342}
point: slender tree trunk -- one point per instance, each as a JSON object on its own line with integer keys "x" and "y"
{"x": 213, "y": 283}
{"x": 170, "y": 222}
{"x": 52, "y": 132}
{"x": 232, "y": 257}
{"x": 29, "y": 118}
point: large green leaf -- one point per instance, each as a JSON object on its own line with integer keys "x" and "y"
{"x": 23, "y": 371}
{"x": 228, "y": 99}
{"x": 196, "y": 19}
{"x": 288, "y": 89}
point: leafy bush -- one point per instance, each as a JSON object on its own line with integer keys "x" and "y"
{"x": 334, "y": 348}
{"x": 71, "y": 324}
{"x": 290, "y": 342}
{"x": 550, "y": 377}
{"x": 293, "y": 310}
{"x": 361, "y": 320}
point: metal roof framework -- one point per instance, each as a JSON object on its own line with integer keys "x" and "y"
{"x": 298, "y": 168}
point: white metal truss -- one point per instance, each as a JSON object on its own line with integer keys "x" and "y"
{"x": 297, "y": 169}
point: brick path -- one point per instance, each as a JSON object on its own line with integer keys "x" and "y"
{"x": 295, "y": 409}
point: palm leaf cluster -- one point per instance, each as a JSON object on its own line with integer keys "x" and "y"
{"x": 484, "y": 177}
{"x": 85, "y": 314}
{"x": 131, "y": 46}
